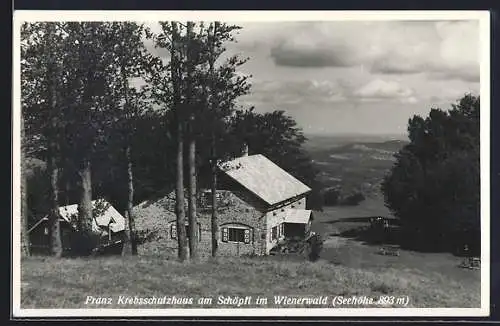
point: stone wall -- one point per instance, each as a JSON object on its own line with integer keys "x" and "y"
{"x": 232, "y": 211}
{"x": 235, "y": 208}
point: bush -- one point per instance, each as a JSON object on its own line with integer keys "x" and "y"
{"x": 331, "y": 197}
{"x": 353, "y": 199}
{"x": 315, "y": 247}
{"x": 83, "y": 243}
{"x": 434, "y": 186}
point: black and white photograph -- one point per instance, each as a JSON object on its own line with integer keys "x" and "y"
{"x": 244, "y": 163}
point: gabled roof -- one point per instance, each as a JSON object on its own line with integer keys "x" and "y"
{"x": 263, "y": 178}
{"x": 40, "y": 221}
{"x": 110, "y": 217}
{"x": 301, "y": 216}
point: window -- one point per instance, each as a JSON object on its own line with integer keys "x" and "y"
{"x": 173, "y": 231}
{"x": 205, "y": 198}
{"x": 274, "y": 233}
{"x": 235, "y": 234}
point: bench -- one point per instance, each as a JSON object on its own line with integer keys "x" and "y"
{"x": 471, "y": 263}
{"x": 389, "y": 251}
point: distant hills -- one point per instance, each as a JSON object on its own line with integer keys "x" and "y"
{"x": 354, "y": 162}
{"x": 327, "y": 141}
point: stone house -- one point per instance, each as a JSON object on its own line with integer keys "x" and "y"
{"x": 258, "y": 204}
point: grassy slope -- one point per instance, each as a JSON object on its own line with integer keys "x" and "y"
{"x": 358, "y": 254}
{"x": 347, "y": 267}
{"x": 47, "y": 283}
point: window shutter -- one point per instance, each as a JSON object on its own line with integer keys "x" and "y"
{"x": 224, "y": 235}
{"x": 247, "y": 236}
{"x": 282, "y": 230}
{"x": 173, "y": 231}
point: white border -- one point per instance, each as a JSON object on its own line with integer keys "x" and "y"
{"x": 260, "y": 16}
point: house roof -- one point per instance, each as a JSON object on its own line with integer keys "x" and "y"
{"x": 110, "y": 217}
{"x": 265, "y": 179}
{"x": 40, "y": 221}
{"x": 301, "y": 216}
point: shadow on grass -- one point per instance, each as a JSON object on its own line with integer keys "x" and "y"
{"x": 369, "y": 236}
{"x": 362, "y": 219}
{"x": 393, "y": 235}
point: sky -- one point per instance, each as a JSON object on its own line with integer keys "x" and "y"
{"x": 357, "y": 77}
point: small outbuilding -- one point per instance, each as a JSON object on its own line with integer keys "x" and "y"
{"x": 108, "y": 225}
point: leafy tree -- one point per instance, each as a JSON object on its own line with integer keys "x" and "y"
{"x": 132, "y": 59}
{"x": 41, "y": 79}
{"x": 222, "y": 86}
{"x": 202, "y": 95}
{"x": 90, "y": 69}
{"x": 433, "y": 187}
{"x": 168, "y": 79}
{"x": 85, "y": 71}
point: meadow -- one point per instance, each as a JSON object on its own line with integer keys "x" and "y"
{"x": 347, "y": 267}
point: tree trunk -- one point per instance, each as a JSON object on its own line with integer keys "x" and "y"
{"x": 179, "y": 196}
{"x": 56, "y": 248}
{"x": 213, "y": 103}
{"x": 130, "y": 230}
{"x": 214, "y": 222}
{"x": 25, "y": 243}
{"x": 67, "y": 187}
{"x": 131, "y": 236}
{"x": 54, "y": 226}
{"x": 193, "y": 220}
{"x": 179, "y": 191}
{"x": 85, "y": 205}
{"x": 193, "y": 223}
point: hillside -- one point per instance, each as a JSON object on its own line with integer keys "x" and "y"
{"x": 47, "y": 283}
{"x": 356, "y": 163}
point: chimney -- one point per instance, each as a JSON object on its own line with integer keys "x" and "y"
{"x": 245, "y": 150}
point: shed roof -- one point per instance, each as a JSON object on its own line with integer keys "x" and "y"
{"x": 264, "y": 178}
{"x": 110, "y": 217}
{"x": 301, "y": 216}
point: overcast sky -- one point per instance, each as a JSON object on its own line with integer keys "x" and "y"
{"x": 356, "y": 76}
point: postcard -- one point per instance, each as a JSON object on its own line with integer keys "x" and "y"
{"x": 238, "y": 163}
